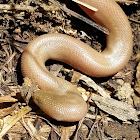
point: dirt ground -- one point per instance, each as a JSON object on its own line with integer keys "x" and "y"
{"x": 108, "y": 118}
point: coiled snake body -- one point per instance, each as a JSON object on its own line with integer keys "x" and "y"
{"x": 61, "y": 100}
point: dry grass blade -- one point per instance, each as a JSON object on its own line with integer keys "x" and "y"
{"x": 9, "y": 122}
{"x": 6, "y": 111}
{"x": 9, "y": 59}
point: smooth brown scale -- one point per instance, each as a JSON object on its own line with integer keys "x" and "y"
{"x": 65, "y": 98}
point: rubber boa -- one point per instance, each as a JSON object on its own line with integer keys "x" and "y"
{"x": 58, "y": 98}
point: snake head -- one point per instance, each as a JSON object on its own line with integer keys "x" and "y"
{"x": 69, "y": 107}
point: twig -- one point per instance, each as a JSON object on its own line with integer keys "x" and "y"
{"x": 136, "y": 21}
{"x": 9, "y": 59}
{"x": 86, "y": 20}
{"x": 54, "y": 127}
{"x": 79, "y": 126}
{"x": 91, "y": 130}
{"x": 86, "y": 5}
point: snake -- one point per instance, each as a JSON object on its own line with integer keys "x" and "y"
{"x": 57, "y": 97}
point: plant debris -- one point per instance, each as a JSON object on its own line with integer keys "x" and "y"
{"x": 11, "y": 120}
{"x": 137, "y": 85}
{"x": 114, "y": 102}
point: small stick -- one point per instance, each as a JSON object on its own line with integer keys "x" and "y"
{"x": 136, "y": 21}
{"x": 86, "y": 20}
{"x": 86, "y": 5}
{"x": 9, "y": 59}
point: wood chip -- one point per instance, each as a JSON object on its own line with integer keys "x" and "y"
{"x": 137, "y": 85}
{"x": 116, "y": 108}
{"x": 93, "y": 85}
{"x": 8, "y": 98}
